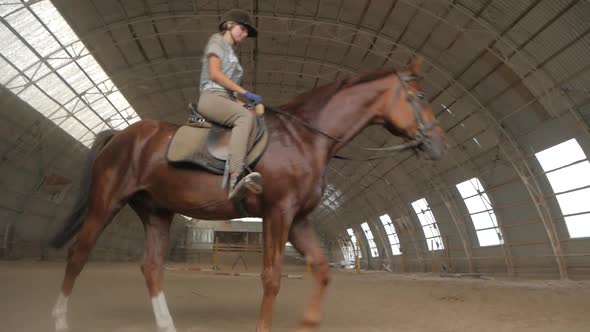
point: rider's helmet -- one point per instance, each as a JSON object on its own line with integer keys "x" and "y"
{"x": 239, "y": 16}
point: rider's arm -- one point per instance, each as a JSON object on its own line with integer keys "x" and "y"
{"x": 220, "y": 78}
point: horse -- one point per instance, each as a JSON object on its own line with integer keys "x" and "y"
{"x": 129, "y": 167}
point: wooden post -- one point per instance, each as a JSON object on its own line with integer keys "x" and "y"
{"x": 404, "y": 262}
{"x": 448, "y": 253}
{"x": 432, "y": 255}
{"x": 358, "y": 259}
{"x": 215, "y": 254}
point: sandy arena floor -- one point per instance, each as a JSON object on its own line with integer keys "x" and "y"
{"x": 113, "y": 297}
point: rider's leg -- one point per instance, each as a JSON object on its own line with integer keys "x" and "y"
{"x": 220, "y": 108}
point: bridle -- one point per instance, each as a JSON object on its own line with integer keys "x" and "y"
{"x": 414, "y": 98}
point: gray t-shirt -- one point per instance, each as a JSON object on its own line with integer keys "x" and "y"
{"x": 230, "y": 65}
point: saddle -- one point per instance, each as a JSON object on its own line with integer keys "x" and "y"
{"x": 206, "y": 144}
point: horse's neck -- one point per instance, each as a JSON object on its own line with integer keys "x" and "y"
{"x": 347, "y": 113}
{"x": 345, "y": 116}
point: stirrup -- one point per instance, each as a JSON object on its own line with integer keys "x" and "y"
{"x": 251, "y": 182}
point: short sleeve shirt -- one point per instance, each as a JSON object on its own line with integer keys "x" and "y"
{"x": 230, "y": 65}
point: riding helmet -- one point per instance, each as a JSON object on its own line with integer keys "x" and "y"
{"x": 242, "y": 17}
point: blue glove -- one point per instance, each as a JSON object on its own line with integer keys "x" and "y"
{"x": 256, "y": 99}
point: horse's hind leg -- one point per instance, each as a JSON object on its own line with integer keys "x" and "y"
{"x": 101, "y": 209}
{"x": 157, "y": 236}
{"x": 303, "y": 240}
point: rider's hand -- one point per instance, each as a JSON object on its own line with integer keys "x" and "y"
{"x": 256, "y": 99}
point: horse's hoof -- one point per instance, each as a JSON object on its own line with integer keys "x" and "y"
{"x": 61, "y": 325}
{"x": 61, "y": 328}
{"x": 307, "y": 326}
{"x": 305, "y": 329}
{"x": 169, "y": 328}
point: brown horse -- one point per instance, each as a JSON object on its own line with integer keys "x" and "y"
{"x": 129, "y": 167}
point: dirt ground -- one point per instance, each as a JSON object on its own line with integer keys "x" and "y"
{"x": 113, "y": 297}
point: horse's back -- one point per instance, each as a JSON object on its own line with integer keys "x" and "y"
{"x": 139, "y": 146}
{"x": 150, "y": 127}
{"x": 147, "y": 132}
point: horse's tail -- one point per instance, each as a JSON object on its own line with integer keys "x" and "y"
{"x": 75, "y": 219}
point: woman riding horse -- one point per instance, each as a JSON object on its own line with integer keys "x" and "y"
{"x": 221, "y": 74}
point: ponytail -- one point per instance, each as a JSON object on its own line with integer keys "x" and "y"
{"x": 226, "y": 26}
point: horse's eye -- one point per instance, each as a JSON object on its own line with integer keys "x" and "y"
{"x": 421, "y": 95}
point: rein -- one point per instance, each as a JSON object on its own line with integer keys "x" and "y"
{"x": 420, "y": 137}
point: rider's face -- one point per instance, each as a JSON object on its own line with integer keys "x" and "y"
{"x": 239, "y": 33}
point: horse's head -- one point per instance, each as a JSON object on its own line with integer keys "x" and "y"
{"x": 407, "y": 113}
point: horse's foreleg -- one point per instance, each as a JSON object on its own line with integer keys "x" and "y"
{"x": 303, "y": 240}
{"x": 100, "y": 213}
{"x": 157, "y": 237}
{"x": 276, "y": 226}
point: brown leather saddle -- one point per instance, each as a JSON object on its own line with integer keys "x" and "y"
{"x": 206, "y": 144}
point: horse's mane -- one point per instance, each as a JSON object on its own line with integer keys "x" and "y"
{"x": 315, "y": 99}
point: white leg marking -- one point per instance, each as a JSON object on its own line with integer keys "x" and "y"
{"x": 163, "y": 318}
{"x": 59, "y": 313}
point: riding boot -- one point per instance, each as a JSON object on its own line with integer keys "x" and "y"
{"x": 250, "y": 182}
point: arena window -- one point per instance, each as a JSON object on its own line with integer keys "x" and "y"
{"x": 391, "y": 234}
{"x": 429, "y": 226}
{"x": 370, "y": 239}
{"x": 567, "y": 168}
{"x": 481, "y": 212}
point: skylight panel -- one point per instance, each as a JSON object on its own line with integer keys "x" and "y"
{"x": 44, "y": 63}
{"x": 574, "y": 202}
{"x": 560, "y": 155}
{"x": 481, "y": 212}
{"x": 568, "y": 170}
{"x": 484, "y": 220}
{"x": 489, "y": 237}
{"x": 566, "y": 178}
{"x": 331, "y": 196}
{"x": 478, "y": 203}
{"x": 391, "y": 234}
{"x": 58, "y": 26}
{"x": 6, "y": 8}
{"x": 468, "y": 188}
{"x": 370, "y": 239}
{"x": 429, "y": 225}
{"x": 579, "y": 225}
{"x": 354, "y": 242}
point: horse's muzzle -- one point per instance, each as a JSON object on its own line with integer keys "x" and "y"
{"x": 434, "y": 146}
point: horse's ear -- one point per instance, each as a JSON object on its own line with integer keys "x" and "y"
{"x": 416, "y": 65}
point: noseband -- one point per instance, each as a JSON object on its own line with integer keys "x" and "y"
{"x": 412, "y": 97}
